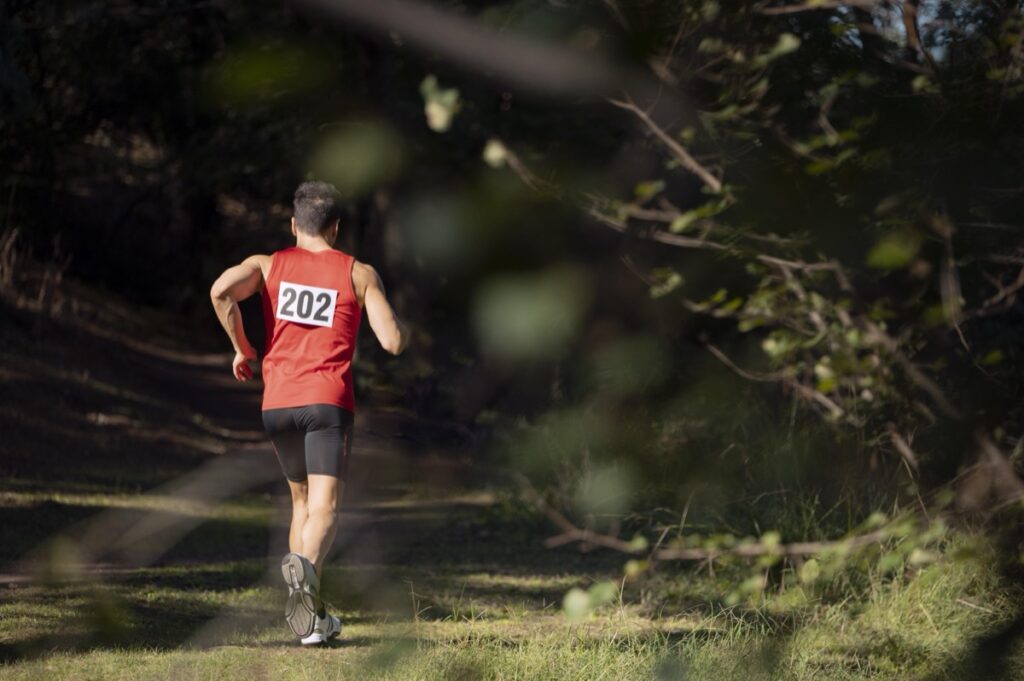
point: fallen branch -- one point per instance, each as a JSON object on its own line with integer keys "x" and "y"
{"x": 571, "y": 533}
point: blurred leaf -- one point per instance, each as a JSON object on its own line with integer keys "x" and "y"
{"x": 634, "y": 567}
{"x": 890, "y": 561}
{"x": 923, "y": 83}
{"x": 646, "y": 190}
{"x": 786, "y": 43}
{"x": 531, "y": 316}
{"x": 638, "y": 543}
{"x": 439, "y": 104}
{"x": 252, "y": 75}
{"x": 894, "y": 250}
{"x": 630, "y": 365}
{"x": 602, "y": 593}
{"x": 711, "y": 46}
{"x": 668, "y": 281}
{"x": 358, "y": 156}
{"x": 495, "y": 154}
{"x": 683, "y": 221}
{"x": 810, "y": 571}
{"x": 606, "y": 490}
{"x": 920, "y": 557}
{"x": 576, "y": 604}
{"x": 993, "y": 357}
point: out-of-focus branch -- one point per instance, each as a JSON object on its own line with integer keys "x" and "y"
{"x": 813, "y": 7}
{"x": 903, "y": 447}
{"x": 1004, "y": 297}
{"x": 527, "y": 62}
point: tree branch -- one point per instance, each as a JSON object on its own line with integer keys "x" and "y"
{"x": 681, "y": 154}
{"x": 571, "y": 533}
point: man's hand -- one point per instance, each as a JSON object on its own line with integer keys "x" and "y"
{"x": 235, "y": 284}
{"x": 240, "y": 366}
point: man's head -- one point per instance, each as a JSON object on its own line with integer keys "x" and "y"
{"x": 317, "y": 210}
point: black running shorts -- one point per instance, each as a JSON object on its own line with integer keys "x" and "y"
{"x": 315, "y": 439}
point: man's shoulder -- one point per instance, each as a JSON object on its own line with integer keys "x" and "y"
{"x": 259, "y": 259}
{"x": 262, "y": 261}
{"x": 363, "y": 275}
{"x": 362, "y": 271}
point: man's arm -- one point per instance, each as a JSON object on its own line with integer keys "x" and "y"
{"x": 392, "y": 334}
{"x": 236, "y": 284}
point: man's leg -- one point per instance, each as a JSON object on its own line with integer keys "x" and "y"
{"x": 290, "y": 449}
{"x": 328, "y": 445}
{"x": 288, "y": 438}
{"x": 299, "y": 514}
{"x": 321, "y": 524}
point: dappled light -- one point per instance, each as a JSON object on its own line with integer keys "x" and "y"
{"x": 548, "y": 340}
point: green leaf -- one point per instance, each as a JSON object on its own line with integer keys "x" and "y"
{"x": 993, "y": 357}
{"x": 711, "y": 45}
{"x": 601, "y": 593}
{"x": 732, "y": 305}
{"x": 890, "y": 561}
{"x": 894, "y": 251}
{"x": 668, "y": 281}
{"x": 810, "y": 571}
{"x": 920, "y": 557}
{"x": 646, "y": 190}
{"x": 634, "y": 567}
{"x": 638, "y": 543}
{"x": 771, "y": 539}
{"x": 752, "y": 585}
{"x": 440, "y": 105}
{"x": 683, "y": 221}
{"x": 922, "y": 83}
{"x": 876, "y": 519}
{"x": 786, "y": 43}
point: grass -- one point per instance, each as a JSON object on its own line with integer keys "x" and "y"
{"x": 434, "y": 615}
{"x": 121, "y": 561}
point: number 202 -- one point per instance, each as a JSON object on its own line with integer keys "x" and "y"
{"x": 304, "y": 306}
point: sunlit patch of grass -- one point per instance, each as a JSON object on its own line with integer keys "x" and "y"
{"x": 520, "y": 583}
{"x": 909, "y": 626}
{"x": 240, "y": 509}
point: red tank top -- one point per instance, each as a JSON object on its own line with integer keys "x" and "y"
{"x": 312, "y": 318}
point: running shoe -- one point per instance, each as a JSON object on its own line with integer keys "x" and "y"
{"x": 326, "y": 628}
{"x": 303, "y": 594}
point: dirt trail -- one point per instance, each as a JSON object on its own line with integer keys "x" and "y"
{"x": 152, "y": 461}
{"x": 177, "y": 423}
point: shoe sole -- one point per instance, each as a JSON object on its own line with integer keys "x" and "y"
{"x": 300, "y": 608}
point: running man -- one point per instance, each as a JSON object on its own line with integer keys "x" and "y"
{"x": 313, "y": 299}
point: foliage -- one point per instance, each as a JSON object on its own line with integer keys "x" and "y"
{"x": 848, "y": 166}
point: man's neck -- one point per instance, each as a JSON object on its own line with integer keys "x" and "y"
{"x": 312, "y": 243}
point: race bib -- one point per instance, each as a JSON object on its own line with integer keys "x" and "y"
{"x": 306, "y": 304}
